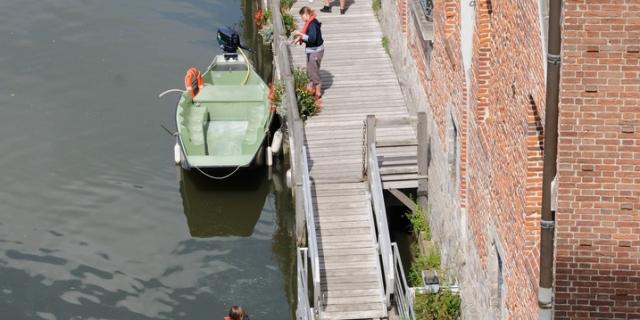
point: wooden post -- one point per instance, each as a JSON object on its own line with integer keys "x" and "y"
{"x": 423, "y": 165}
{"x": 298, "y": 134}
{"x": 371, "y": 130}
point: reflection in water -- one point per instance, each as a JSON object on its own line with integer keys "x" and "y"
{"x": 230, "y": 207}
{"x": 92, "y": 224}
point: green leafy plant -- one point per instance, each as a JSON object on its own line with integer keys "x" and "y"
{"x": 286, "y": 4}
{"x": 385, "y": 45}
{"x": 421, "y": 262}
{"x": 300, "y": 78}
{"x": 376, "y": 5}
{"x": 308, "y": 103}
{"x": 266, "y": 16}
{"x": 289, "y": 23}
{"x": 267, "y": 34}
{"x": 444, "y": 305}
{"x": 419, "y": 222}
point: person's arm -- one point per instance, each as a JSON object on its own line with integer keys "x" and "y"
{"x": 312, "y": 33}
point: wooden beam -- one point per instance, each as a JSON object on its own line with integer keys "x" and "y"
{"x": 403, "y": 198}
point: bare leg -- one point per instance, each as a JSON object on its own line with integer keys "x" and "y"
{"x": 342, "y": 3}
{"x": 318, "y": 92}
{"x": 327, "y": 3}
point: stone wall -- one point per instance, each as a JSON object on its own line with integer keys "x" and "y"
{"x": 486, "y": 144}
{"x": 598, "y": 216}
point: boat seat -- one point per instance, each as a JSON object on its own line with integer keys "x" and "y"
{"x": 195, "y": 121}
{"x": 225, "y": 93}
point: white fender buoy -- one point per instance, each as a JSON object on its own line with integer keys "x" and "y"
{"x": 177, "y": 153}
{"x": 289, "y": 179}
{"x": 276, "y": 143}
{"x": 269, "y": 157}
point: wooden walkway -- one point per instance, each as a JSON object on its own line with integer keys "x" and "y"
{"x": 359, "y": 80}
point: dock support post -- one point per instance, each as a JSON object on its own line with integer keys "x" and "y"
{"x": 423, "y": 160}
{"x": 299, "y": 195}
{"x": 371, "y": 130}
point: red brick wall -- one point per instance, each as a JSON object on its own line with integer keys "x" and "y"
{"x": 598, "y": 218}
{"x": 403, "y": 10}
{"x": 500, "y": 138}
{"x": 504, "y": 158}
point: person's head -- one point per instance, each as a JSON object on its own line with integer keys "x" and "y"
{"x": 236, "y": 313}
{"x": 306, "y": 13}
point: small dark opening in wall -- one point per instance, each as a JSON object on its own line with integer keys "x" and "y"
{"x": 500, "y": 295}
{"x": 453, "y": 151}
{"x": 489, "y": 7}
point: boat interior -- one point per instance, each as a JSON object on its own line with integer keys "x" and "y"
{"x": 226, "y": 121}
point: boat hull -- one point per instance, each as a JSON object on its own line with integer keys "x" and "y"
{"x": 227, "y": 124}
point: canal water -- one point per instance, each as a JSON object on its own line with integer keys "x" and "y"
{"x": 95, "y": 220}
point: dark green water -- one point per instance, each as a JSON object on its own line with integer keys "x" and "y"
{"x": 94, "y": 223}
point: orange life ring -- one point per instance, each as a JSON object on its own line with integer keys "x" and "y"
{"x": 193, "y": 81}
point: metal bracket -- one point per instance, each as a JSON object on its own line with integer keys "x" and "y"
{"x": 553, "y": 58}
{"x": 547, "y": 224}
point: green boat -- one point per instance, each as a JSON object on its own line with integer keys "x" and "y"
{"x": 223, "y": 117}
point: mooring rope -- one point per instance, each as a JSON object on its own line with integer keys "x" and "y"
{"x": 218, "y": 178}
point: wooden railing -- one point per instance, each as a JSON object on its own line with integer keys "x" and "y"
{"x": 397, "y": 292}
{"x": 284, "y": 65}
{"x": 305, "y": 216}
{"x": 379, "y": 209}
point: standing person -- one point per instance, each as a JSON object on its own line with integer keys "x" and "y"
{"x": 327, "y": 6}
{"x": 311, "y": 35}
{"x": 236, "y": 313}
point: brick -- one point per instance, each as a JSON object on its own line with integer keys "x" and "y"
{"x": 609, "y": 174}
{"x": 500, "y": 117}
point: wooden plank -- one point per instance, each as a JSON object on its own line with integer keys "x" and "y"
{"x": 354, "y": 315}
{"x": 325, "y": 233}
{"x": 393, "y": 159}
{"x": 406, "y": 184}
{"x": 351, "y": 300}
{"x": 340, "y": 186}
{"x": 353, "y": 307}
{"x": 337, "y": 252}
{"x": 359, "y": 85}
{"x": 353, "y": 292}
{"x": 339, "y": 285}
{"x": 331, "y": 266}
{"x": 403, "y": 198}
{"x": 403, "y": 169}
{"x": 400, "y": 177}
{"x": 352, "y": 238}
{"x": 342, "y": 226}
{"x": 397, "y": 142}
{"x": 347, "y": 245}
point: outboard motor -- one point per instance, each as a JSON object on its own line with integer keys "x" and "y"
{"x": 229, "y": 41}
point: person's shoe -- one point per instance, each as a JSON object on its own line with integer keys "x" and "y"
{"x": 342, "y": 11}
{"x": 326, "y": 9}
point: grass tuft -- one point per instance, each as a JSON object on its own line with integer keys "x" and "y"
{"x": 385, "y": 45}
